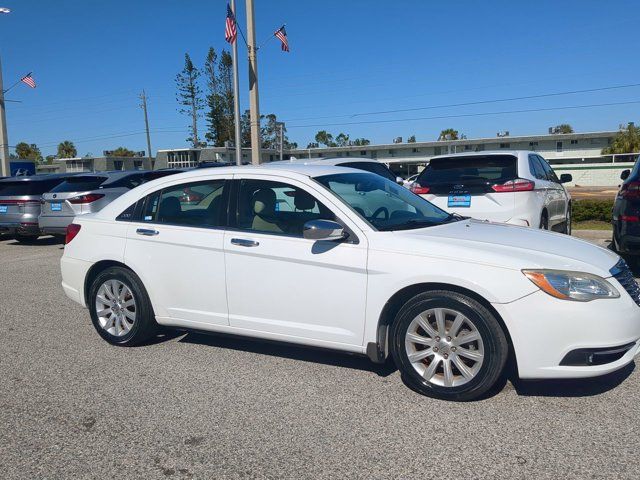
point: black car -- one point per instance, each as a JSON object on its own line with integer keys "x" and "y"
{"x": 626, "y": 214}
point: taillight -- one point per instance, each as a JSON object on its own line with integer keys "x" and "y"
{"x": 630, "y": 190}
{"x": 72, "y": 230}
{"x": 630, "y": 218}
{"x": 89, "y": 198}
{"x": 419, "y": 189}
{"x": 517, "y": 185}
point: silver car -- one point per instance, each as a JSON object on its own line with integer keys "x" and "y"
{"x": 20, "y": 204}
{"x": 88, "y": 193}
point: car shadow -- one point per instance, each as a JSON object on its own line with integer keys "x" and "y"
{"x": 578, "y": 387}
{"x": 287, "y": 350}
{"x": 41, "y": 241}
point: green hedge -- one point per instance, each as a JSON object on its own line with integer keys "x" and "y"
{"x": 584, "y": 210}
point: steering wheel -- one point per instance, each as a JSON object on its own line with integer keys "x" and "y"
{"x": 381, "y": 210}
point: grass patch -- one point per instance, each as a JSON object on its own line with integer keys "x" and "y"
{"x": 591, "y": 225}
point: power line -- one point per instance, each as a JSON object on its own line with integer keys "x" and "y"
{"x": 463, "y": 115}
{"x": 478, "y": 102}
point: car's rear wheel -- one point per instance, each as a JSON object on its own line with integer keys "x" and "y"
{"x": 120, "y": 308}
{"x": 448, "y": 346}
{"x": 544, "y": 221}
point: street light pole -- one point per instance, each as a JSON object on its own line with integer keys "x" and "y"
{"x": 236, "y": 92}
{"x": 5, "y": 170}
{"x": 253, "y": 86}
{"x": 143, "y": 97}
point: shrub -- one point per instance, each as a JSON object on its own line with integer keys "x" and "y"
{"x": 599, "y": 210}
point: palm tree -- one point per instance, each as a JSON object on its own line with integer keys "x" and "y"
{"x": 564, "y": 128}
{"x": 625, "y": 141}
{"x": 448, "y": 134}
{"x": 67, "y": 149}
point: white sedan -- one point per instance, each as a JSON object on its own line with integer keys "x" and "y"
{"x": 343, "y": 259}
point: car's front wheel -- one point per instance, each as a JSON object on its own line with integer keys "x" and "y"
{"x": 120, "y": 308}
{"x": 448, "y": 346}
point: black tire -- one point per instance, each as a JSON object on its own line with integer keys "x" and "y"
{"x": 144, "y": 327}
{"x": 493, "y": 337}
{"x": 27, "y": 239}
{"x": 544, "y": 221}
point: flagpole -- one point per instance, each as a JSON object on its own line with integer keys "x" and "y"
{"x": 16, "y": 83}
{"x": 236, "y": 91}
{"x": 4, "y": 140}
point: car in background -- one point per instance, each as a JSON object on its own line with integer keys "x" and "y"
{"x": 89, "y": 193}
{"x": 20, "y": 204}
{"x": 364, "y": 164}
{"x": 626, "y": 214}
{"x": 516, "y": 187}
{"x": 450, "y": 299}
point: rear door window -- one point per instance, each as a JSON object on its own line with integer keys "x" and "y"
{"x": 29, "y": 187}
{"x": 536, "y": 168}
{"x": 79, "y": 184}
{"x": 549, "y": 173}
{"x": 373, "y": 167}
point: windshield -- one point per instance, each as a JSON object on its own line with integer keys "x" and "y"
{"x": 383, "y": 203}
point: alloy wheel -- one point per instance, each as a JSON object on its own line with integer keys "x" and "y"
{"x": 115, "y": 308}
{"x": 444, "y": 347}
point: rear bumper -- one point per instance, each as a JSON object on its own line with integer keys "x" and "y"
{"x": 20, "y": 228}
{"x": 74, "y": 272}
{"x": 548, "y": 334}
{"x": 55, "y": 224}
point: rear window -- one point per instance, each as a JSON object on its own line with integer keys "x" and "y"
{"x": 79, "y": 184}
{"x": 29, "y": 187}
{"x": 371, "y": 167}
{"x": 481, "y": 169}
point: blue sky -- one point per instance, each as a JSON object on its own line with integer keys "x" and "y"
{"x": 91, "y": 59}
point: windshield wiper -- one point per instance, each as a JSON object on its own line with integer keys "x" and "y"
{"x": 454, "y": 217}
{"x": 409, "y": 225}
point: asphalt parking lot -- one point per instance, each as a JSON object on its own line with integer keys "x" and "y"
{"x": 195, "y": 406}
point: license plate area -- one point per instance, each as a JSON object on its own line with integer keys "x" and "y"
{"x": 56, "y": 207}
{"x": 459, "y": 200}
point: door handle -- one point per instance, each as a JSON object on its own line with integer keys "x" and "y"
{"x": 241, "y": 242}
{"x": 147, "y": 231}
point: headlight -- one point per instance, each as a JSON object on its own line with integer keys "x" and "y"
{"x": 578, "y": 286}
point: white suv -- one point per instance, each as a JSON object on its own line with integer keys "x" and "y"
{"x": 517, "y": 187}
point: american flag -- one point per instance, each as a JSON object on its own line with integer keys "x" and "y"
{"x": 281, "y": 33}
{"x": 28, "y": 79}
{"x": 230, "y": 31}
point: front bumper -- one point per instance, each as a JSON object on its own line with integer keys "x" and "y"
{"x": 20, "y": 228}
{"x": 545, "y": 330}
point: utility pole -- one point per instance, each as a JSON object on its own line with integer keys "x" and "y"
{"x": 4, "y": 139}
{"x": 256, "y": 141}
{"x": 236, "y": 92}
{"x": 143, "y": 97}
{"x": 280, "y": 126}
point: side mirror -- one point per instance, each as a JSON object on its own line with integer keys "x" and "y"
{"x": 565, "y": 178}
{"x": 400, "y": 180}
{"x": 625, "y": 174}
{"x": 323, "y": 230}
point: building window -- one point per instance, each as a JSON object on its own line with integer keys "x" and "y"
{"x": 137, "y": 164}
{"x": 574, "y": 142}
{"x": 558, "y": 146}
{"x": 348, "y": 154}
{"x": 505, "y": 145}
{"x": 338, "y": 154}
{"x": 533, "y": 144}
{"x": 414, "y": 150}
{"x": 117, "y": 164}
{"x": 363, "y": 152}
{"x": 182, "y": 159}
{"x": 467, "y": 147}
{"x": 75, "y": 166}
{"x": 437, "y": 150}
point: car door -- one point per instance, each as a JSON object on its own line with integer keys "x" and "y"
{"x": 557, "y": 195}
{"x": 542, "y": 183}
{"x": 176, "y": 244}
{"x": 282, "y": 284}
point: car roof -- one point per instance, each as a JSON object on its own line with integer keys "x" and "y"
{"x": 36, "y": 178}
{"x": 515, "y": 153}
{"x": 321, "y": 161}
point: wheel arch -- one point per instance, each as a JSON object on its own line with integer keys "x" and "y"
{"x": 379, "y": 351}
{"x": 95, "y": 270}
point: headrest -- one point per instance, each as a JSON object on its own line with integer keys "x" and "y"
{"x": 264, "y": 202}
{"x": 304, "y": 201}
{"x": 170, "y": 207}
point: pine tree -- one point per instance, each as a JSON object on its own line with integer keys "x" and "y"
{"x": 189, "y": 95}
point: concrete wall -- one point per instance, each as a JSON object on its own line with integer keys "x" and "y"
{"x": 594, "y": 175}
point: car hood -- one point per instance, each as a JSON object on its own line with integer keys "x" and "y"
{"x": 502, "y": 245}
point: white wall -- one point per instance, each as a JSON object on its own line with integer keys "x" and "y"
{"x": 594, "y": 175}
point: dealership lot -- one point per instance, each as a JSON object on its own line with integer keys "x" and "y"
{"x": 196, "y": 406}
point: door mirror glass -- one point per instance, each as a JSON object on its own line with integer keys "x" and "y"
{"x": 400, "y": 180}
{"x": 323, "y": 230}
{"x": 565, "y": 178}
{"x": 625, "y": 174}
